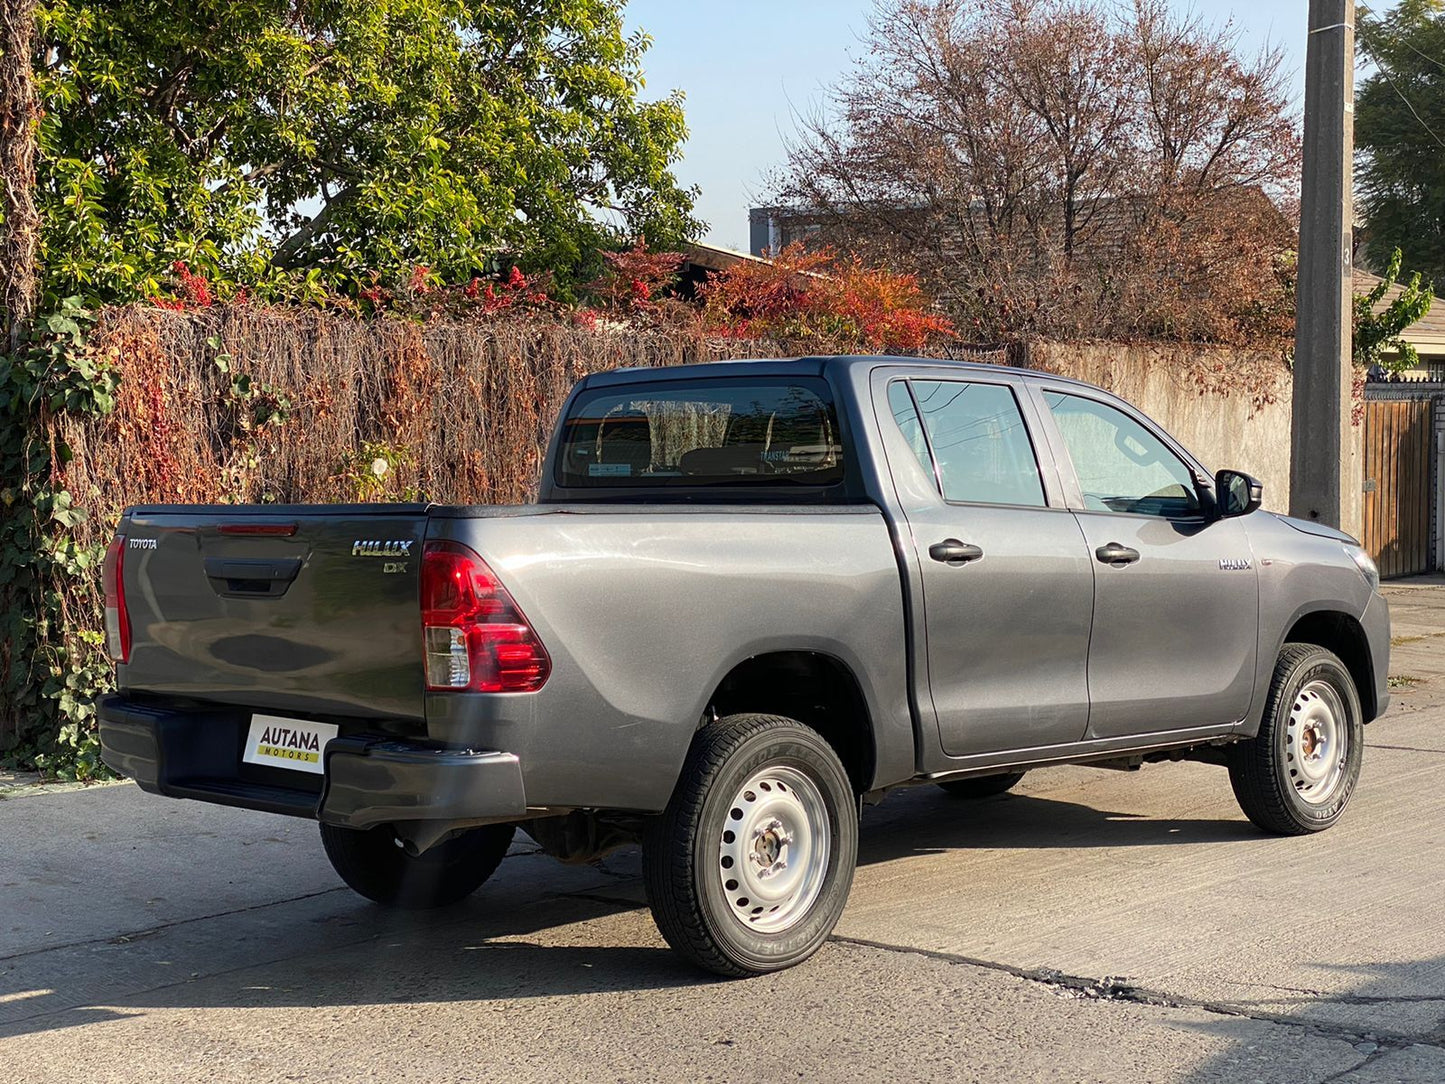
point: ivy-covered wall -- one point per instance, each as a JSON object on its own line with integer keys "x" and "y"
{"x": 51, "y": 662}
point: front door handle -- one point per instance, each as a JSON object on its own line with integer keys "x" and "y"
{"x": 1116, "y": 554}
{"x": 953, "y": 552}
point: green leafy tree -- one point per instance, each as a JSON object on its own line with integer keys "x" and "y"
{"x": 1377, "y": 330}
{"x": 255, "y": 138}
{"x": 1400, "y": 134}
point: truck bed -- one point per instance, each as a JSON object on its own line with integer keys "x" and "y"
{"x": 312, "y": 612}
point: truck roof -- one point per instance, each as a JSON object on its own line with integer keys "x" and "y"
{"x": 812, "y": 365}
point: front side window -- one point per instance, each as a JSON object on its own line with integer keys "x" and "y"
{"x": 1122, "y": 466}
{"x": 980, "y": 443}
{"x": 702, "y": 433}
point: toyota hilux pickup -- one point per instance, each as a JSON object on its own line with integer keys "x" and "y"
{"x": 752, "y": 597}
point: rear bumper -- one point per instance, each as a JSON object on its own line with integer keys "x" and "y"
{"x": 368, "y": 780}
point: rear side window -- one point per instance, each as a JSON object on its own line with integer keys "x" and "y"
{"x": 979, "y": 442}
{"x": 768, "y": 432}
{"x": 900, "y": 401}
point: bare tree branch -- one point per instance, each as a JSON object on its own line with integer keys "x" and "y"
{"x": 1071, "y": 165}
{"x": 288, "y": 251}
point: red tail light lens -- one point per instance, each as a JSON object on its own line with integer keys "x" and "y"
{"x": 117, "y": 621}
{"x": 476, "y": 638}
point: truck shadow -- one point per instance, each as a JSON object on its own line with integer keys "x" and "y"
{"x": 537, "y": 930}
{"x": 924, "y": 820}
{"x": 339, "y": 950}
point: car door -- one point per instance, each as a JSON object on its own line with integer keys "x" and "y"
{"x": 1006, "y": 580}
{"x": 1176, "y": 595}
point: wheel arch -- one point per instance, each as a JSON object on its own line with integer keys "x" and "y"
{"x": 1341, "y": 633}
{"x": 818, "y": 690}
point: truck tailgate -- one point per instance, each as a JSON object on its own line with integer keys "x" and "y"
{"x": 307, "y": 609}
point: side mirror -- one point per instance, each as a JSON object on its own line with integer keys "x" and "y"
{"x": 1237, "y": 493}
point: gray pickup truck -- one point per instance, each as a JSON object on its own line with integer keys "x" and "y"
{"x": 752, "y": 596}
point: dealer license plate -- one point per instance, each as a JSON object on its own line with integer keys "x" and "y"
{"x": 288, "y": 743}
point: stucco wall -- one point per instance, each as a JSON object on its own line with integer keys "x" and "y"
{"x": 1230, "y": 408}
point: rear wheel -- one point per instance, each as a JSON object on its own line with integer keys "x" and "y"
{"x": 749, "y": 867}
{"x": 373, "y": 862}
{"x": 981, "y": 786}
{"x": 1298, "y": 774}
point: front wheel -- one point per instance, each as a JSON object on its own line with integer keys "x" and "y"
{"x": 1297, "y": 775}
{"x": 373, "y": 863}
{"x": 749, "y": 867}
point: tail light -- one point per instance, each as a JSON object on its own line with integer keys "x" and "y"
{"x": 117, "y": 621}
{"x": 475, "y": 636}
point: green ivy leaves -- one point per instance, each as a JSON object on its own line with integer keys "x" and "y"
{"x": 54, "y": 669}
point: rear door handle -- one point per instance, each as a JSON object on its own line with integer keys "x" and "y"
{"x": 1116, "y": 554}
{"x": 953, "y": 552}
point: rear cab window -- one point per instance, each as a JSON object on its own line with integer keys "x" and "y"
{"x": 971, "y": 438}
{"x": 766, "y": 433}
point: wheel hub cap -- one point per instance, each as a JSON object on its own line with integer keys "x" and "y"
{"x": 774, "y": 849}
{"x": 1316, "y": 742}
{"x": 770, "y": 842}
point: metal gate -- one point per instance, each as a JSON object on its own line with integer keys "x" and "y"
{"x": 1398, "y": 452}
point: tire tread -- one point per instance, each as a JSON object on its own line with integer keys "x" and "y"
{"x": 1253, "y": 770}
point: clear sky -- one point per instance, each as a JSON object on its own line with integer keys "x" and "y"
{"x": 749, "y": 66}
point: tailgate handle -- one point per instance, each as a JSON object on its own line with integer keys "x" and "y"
{"x": 252, "y": 576}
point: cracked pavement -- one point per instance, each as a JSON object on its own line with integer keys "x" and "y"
{"x": 1092, "y": 926}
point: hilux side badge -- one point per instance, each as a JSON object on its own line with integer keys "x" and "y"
{"x": 394, "y": 548}
{"x": 1234, "y": 564}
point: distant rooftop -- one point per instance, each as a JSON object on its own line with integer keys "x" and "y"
{"x": 1427, "y": 336}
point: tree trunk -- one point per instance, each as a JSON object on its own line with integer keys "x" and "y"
{"x": 20, "y": 228}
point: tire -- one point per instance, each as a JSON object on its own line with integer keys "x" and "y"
{"x": 373, "y": 864}
{"x": 753, "y": 788}
{"x": 981, "y": 786}
{"x": 1298, "y": 774}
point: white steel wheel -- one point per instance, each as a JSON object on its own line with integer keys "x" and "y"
{"x": 749, "y": 867}
{"x": 1317, "y": 743}
{"x": 773, "y": 851}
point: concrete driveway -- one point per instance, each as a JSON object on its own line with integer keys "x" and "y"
{"x": 1093, "y": 926}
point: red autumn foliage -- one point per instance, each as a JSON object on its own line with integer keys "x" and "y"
{"x": 193, "y": 290}
{"x": 823, "y": 302}
{"x": 516, "y": 291}
{"x": 426, "y": 297}
{"x": 801, "y": 294}
{"x": 631, "y": 281}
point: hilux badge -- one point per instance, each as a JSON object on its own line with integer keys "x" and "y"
{"x": 394, "y": 548}
{"x": 1234, "y": 564}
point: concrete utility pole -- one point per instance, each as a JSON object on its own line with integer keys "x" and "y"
{"x": 1325, "y": 478}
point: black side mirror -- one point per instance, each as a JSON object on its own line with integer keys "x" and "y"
{"x": 1237, "y": 493}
